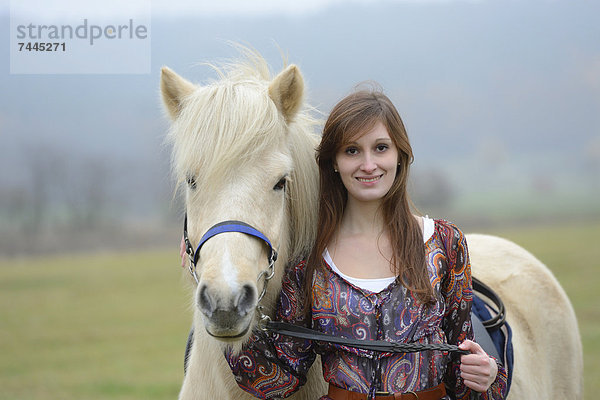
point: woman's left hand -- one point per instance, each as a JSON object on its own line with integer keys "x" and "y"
{"x": 477, "y": 369}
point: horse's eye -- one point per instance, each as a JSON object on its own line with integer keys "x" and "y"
{"x": 191, "y": 181}
{"x": 281, "y": 184}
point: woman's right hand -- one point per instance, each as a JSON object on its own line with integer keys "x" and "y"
{"x": 477, "y": 369}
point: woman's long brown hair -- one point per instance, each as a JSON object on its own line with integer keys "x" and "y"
{"x": 353, "y": 116}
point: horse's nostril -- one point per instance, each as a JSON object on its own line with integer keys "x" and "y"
{"x": 246, "y": 299}
{"x": 206, "y": 303}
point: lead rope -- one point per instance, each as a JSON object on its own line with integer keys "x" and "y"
{"x": 300, "y": 332}
{"x": 283, "y": 328}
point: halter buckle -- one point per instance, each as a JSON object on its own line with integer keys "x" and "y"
{"x": 263, "y": 321}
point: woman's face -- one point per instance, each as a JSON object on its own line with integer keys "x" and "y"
{"x": 367, "y": 165}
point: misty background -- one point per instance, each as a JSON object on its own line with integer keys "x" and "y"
{"x": 501, "y": 100}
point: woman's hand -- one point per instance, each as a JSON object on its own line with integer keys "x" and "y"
{"x": 182, "y": 252}
{"x": 477, "y": 369}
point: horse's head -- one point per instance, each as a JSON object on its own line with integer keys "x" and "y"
{"x": 237, "y": 143}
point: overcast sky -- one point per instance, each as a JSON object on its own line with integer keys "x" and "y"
{"x": 176, "y": 8}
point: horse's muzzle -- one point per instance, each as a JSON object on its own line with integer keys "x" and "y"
{"x": 227, "y": 315}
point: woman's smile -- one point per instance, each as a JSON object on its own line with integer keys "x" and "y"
{"x": 369, "y": 179}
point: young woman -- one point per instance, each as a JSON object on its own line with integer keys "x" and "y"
{"x": 376, "y": 272}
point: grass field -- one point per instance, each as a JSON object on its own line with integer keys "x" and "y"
{"x": 92, "y": 327}
{"x": 114, "y": 326}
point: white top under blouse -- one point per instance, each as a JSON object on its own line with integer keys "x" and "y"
{"x": 376, "y": 285}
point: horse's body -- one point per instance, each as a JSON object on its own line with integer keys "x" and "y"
{"x": 548, "y": 358}
{"x": 245, "y": 148}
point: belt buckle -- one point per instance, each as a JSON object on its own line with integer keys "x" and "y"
{"x": 392, "y": 394}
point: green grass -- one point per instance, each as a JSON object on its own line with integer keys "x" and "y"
{"x": 92, "y": 327}
{"x": 114, "y": 326}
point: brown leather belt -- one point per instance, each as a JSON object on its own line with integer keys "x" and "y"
{"x": 435, "y": 393}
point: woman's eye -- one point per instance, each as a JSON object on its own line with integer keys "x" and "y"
{"x": 191, "y": 181}
{"x": 351, "y": 151}
{"x": 382, "y": 147}
{"x": 281, "y": 184}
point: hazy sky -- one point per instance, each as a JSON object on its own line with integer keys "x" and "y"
{"x": 192, "y": 7}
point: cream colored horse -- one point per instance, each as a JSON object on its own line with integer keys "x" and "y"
{"x": 236, "y": 143}
{"x": 548, "y": 357}
{"x": 244, "y": 147}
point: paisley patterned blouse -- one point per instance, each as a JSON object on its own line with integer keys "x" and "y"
{"x": 275, "y": 366}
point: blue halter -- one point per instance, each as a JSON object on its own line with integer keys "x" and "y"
{"x": 223, "y": 227}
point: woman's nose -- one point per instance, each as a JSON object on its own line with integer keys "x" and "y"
{"x": 368, "y": 164}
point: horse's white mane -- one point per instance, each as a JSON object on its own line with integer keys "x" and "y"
{"x": 227, "y": 122}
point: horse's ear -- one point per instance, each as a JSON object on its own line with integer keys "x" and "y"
{"x": 287, "y": 91}
{"x": 174, "y": 89}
